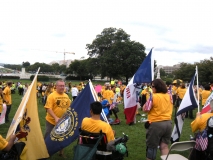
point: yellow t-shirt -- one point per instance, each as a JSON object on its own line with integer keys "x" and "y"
{"x": 3, "y": 143}
{"x": 205, "y": 94}
{"x": 161, "y": 108}
{"x": 7, "y": 95}
{"x": 199, "y": 124}
{"x": 174, "y": 90}
{"x": 58, "y": 103}
{"x": 109, "y": 95}
{"x": 94, "y": 126}
{"x": 181, "y": 92}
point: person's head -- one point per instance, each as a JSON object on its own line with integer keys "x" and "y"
{"x": 182, "y": 85}
{"x": 9, "y": 84}
{"x": 96, "y": 108}
{"x": 207, "y": 87}
{"x": 60, "y": 86}
{"x": 158, "y": 86}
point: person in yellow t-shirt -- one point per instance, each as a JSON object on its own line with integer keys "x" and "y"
{"x": 205, "y": 94}
{"x": 56, "y": 105}
{"x": 108, "y": 94}
{"x": 6, "y": 145}
{"x": 8, "y": 99}
{"x": 1, "y": 100}
{"x": 198, "y": 125}
{"x": 159, "y": 120}
{"x": 94, "y": 124}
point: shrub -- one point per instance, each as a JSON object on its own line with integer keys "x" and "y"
{"x": 40, "y": 78}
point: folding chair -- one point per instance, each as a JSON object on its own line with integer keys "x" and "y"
{"x": 178, "y": 146}
{"x": 88, "y": 138}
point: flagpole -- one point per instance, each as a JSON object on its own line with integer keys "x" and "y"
{"x": 97, "y": 99}
{"x": 197, "y": 91}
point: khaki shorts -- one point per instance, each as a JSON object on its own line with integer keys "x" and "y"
{"x": 158, "y": 132}
{"x": 49, "y": 128}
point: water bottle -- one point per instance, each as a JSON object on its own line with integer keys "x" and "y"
{"x": 191, "y": 138}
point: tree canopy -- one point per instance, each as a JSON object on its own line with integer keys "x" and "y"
{"x": 116, "y": 55}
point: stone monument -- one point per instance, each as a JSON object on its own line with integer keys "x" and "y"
{"x": 23, "y": 74}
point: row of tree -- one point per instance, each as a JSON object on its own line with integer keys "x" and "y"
{"x": 114, "y": 55}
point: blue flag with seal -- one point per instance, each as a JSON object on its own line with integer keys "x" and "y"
{"x": 67, "y": 129}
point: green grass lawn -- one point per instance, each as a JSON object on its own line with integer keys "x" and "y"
{"x": 137, "y": 138}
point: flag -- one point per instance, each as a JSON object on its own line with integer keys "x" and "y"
{"x": 67, "y": 129}
{"x": 26, "y": 125}
{"x": 144, "y": 74}
{"x": 189, "y": 102}
{"x": 148, "y": 104}
{"x": 3, "y": 113}
{"x": 206, "y": 107}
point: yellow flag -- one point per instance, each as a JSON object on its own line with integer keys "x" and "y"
{"x": 26, "y": 125}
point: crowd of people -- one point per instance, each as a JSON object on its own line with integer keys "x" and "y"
{"x": 159, "y": 120}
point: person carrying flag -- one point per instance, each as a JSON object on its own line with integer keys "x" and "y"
{"x": 95, "y": 124}
{"x": 159, "y": 124}
{"x": 199, "y": 125}
{"x": 56, "y": 105}
{"x": 6, "y": 145}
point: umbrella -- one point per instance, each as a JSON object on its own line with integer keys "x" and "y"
{"x": 98, "y": 88}
{"x": 177, "y": 81}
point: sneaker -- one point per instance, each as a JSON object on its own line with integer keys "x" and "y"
{"x": 110, "y": 120}
{"x": 117, "y": 121}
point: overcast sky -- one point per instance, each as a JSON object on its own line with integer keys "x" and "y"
{"x": 40, "y": 30}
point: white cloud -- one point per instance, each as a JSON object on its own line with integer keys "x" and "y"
{"x": 36, "y": 31}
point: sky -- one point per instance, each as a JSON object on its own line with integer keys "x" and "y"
{"x": 41, "y": 31}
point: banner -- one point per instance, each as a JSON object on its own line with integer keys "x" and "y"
{"x": 67, "y": 129}
{"x": 26, "y": 125}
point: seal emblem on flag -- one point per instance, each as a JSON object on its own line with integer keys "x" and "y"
{"x": 65, "y": 127}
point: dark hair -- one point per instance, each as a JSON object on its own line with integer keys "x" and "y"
{"x": 160, "y": 86}
{"x": 207, "y": 87}
{"x": 96, "y": 107}
{"x": 9, "y": 83}
{"x": 183, "y": 85}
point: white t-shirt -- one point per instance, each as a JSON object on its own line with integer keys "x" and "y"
{"x": 74, "y": 91}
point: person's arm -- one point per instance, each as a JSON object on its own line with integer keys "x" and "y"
{"x": 4, "y": 93}
{"x": 10, "y": 143}
{"x": 196, "y": 123}
{"x": 50, "y": 111}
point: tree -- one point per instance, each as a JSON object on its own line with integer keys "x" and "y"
{"x": 205, "y": 71}
{"x": 116, "y": 54}
{"x": 162, "y": 72}
{"x": 185, "y": 72}
{"x": 43, "y": 67}
{"x": 79, "y": 68}
{"x": 56, "y": 67}
{"x": 25, "y": 64}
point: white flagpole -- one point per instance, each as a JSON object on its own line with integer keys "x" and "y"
{"x": 198, "y": 91}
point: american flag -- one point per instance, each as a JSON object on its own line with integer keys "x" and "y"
{"x": 201, "y": 141}
{"x": 148, "y": 104}
{"x": 170, "y": 93}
